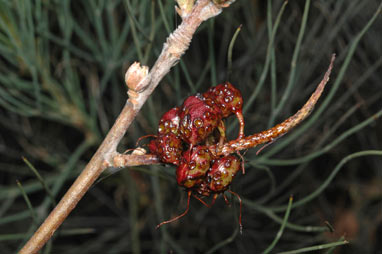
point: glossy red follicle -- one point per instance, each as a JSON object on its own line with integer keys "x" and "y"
{"x": 198, "y": 120}
{"x": 193, "y": 166}
{"x": 222, "y": 172}
{"x": 218, "y": 179}
{"x": 169, "y": 122}
{"x": 228, "y": 98}
{"x": 168, "y": 147}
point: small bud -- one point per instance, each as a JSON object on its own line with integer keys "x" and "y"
{"x": 185, "y": 7}
{"x": 135, "y": 74}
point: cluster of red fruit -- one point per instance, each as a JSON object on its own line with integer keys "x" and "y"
{"x": 192, "y": 137}
{"x": 186, "y": 132}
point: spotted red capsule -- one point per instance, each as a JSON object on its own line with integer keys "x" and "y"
{"x": 198, "y": 120}
{"x": 228, "y": 98}
{"x": 168, "y": 147}
{"x": 169, "y": 122}
{"x": 193, "y": 166}
{"x": 222, "y": 172}
{"x": 218, "y": 179}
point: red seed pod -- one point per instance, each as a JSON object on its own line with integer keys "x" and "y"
{"x": 222, "y": 172}
{"x": 198, "y": 120}
{"x": 168, "y": 147}
{"x": 228, "y": 98}
{"x": 193, "y": 166}
{"x": 169, "y": 122}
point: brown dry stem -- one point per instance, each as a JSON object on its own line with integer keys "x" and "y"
{"x": 175, "y": 46}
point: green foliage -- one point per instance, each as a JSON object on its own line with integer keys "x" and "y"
{"x": 62, "y": 64}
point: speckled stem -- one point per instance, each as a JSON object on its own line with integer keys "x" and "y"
{"x": 281, "y": 128}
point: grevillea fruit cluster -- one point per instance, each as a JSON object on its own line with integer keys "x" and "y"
{"x": 185, "y": 134}
{"x": 192, "y": 137}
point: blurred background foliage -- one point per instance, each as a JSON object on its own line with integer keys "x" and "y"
{"x": 62, "y": 64}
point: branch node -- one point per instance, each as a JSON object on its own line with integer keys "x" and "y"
{"x": 133, "y": 96}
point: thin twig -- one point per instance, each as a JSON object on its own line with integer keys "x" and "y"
{"x": 175, "y": 46}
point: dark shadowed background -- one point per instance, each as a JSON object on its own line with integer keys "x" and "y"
{"x": 62, "y": 65}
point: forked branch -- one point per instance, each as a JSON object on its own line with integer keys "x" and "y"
{"x": 140, "y": 88}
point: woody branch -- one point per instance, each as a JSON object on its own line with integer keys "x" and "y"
{"x": 140, "y": 88}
